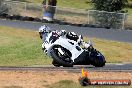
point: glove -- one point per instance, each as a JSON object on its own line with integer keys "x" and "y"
{"x": 86, "y": 45}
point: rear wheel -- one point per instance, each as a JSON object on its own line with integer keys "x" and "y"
{"x": 97, "y": 59}
{"x": 98, "y": 63}
{"x": 62, "y": 56}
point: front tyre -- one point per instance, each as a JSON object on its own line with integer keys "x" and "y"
{"x": 55, "y": 64}
{"x": 63, "y": 60}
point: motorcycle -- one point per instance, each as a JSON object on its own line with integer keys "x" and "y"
{"x": 66, "y": 52}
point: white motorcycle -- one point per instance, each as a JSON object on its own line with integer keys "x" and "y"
{"x": 66, "y": 52}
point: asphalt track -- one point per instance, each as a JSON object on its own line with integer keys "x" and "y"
{"x": 115, "y": 35}
{"x": 108, "y": 67}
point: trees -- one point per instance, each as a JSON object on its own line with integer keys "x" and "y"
{"x": 108, "y": 14}
{"x": 109, "y": 5}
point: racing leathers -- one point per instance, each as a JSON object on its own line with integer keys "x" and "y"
{"x": 51, "y": 36}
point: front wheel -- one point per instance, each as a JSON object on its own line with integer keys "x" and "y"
{"x": 63, "y": 58}
{"x": 55, "y": 64}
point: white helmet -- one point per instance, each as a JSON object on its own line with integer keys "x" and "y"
{"x": 44, "y": 29}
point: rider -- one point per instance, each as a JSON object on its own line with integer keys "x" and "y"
{"x": 75, "y": 37}
{"x": 45, "y": 30}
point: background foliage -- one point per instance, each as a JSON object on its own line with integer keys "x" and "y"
{"x": 109, "y": 5}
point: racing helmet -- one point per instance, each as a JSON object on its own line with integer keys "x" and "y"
{"x": 72, "y": 36}
{"x": 44, "y": 29}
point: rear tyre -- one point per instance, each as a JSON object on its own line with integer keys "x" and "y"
{"x": 97, "y": 59}
{"x": 61, "y": 60}
{"x": 98, "y": 63}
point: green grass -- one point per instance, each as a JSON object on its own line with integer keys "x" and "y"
{"x": 20, "y": 48}
{"x": 23, "y": 48}
{"x": 115, "y": 52}
{"x": 79, "y": 4}
{"x": 71, "y": 84}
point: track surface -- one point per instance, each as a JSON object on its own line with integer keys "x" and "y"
{"x": 108, "y": 67}
{"x": 116, "y": 35}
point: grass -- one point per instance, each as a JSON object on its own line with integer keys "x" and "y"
{"x": 115, "y": 52}
{"x": 20, "y": 48}
{"x": 79, "y": 4}
{"x": 23, "y": 48}
{"x": 71, "y": 84}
